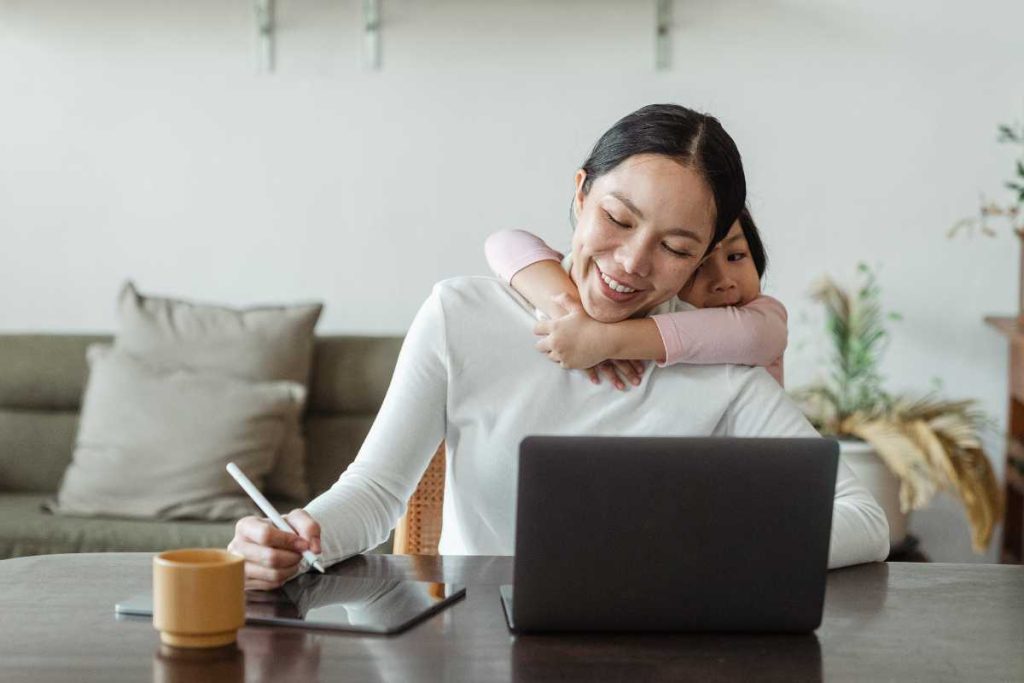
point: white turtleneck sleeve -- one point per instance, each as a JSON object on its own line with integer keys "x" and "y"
{"x": 860, "y": 530}
{"x": 358, "y": 512}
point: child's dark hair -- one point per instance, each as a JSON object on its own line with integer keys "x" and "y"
{"x": 754, "y": 243}
{"x": 696, "y": 140}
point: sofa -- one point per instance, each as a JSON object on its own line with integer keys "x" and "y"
{"x": 42, "y": 378}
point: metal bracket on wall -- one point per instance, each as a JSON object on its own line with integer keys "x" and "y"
{"x": 662, "y": 38}
{"x": 371, "y": 40}
{"x": 264, "y": 35}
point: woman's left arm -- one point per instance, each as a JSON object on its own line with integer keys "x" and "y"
{"x": 760, "y": 408}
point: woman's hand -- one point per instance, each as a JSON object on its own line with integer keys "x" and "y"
{"x": 577, "y": 341}
{"x": 618, "y": 372}
{"x": 272, "y": 556}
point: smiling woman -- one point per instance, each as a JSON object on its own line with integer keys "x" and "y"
{"x": 660, "y": 189}
{"x": 626, "y": 260}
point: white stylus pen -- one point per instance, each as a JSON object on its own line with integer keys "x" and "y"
{"x": 269, "y": 511}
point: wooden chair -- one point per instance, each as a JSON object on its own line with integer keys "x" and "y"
{"x": 419, "y": 530}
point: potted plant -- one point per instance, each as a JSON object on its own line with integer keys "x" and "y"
{"x": 904, "y": 449}
{"x": 1011, "y": 211}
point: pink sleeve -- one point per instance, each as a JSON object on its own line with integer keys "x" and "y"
{"x": 776, "y": 370}
{"x": 509, "y": 251}
{"x": 754, "y": 334}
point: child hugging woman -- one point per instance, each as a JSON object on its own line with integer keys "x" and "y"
{"x": 727, "y": 320}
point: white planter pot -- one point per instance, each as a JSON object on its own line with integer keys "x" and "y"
{"x": 880, "y": 481}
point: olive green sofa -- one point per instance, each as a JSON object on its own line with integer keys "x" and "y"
{"x": 42, "y": 378}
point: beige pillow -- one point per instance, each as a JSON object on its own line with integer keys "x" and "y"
{"x": 258, "y": 344}
{"x": 153, "y": 442}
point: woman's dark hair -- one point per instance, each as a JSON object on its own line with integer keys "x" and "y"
{"x": 753, "y": 237}
{"x": 696, "y": 140}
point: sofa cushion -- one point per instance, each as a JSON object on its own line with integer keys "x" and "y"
{"x": 334, "y": 442}
{"x": 35, "y": 448}
{"x": 154, "y": 442}
{"x": 27, "y": 529}
{"x": 44, "y": 371}
{"x": 260, "y": 343}
{"x": 351, "y": 375}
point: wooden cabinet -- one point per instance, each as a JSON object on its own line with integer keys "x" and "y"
{"x": 1013, "y": 523}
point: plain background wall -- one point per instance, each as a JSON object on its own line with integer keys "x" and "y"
{"x": 137, "y": 139}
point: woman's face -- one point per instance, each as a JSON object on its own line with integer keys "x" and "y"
{"x": 728, "y": 277}
{"x": 641, "y": 231}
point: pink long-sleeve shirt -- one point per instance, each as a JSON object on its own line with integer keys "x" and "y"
{"x": 753, "y": 334}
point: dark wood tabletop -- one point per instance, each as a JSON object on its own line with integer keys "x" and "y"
{"x": 894, "y": 621}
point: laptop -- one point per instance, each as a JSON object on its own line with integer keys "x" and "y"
{"x": 671, "y": 534}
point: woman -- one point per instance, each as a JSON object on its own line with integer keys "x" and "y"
{"x": 468, "y": 374}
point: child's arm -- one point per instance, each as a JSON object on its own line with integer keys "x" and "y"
{"x": 754, "y": 334}
{"x": 532, "y": 268}
{"x": 578, "y": 341}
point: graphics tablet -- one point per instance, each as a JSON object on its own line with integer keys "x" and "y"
{"x": 340, "y": 603}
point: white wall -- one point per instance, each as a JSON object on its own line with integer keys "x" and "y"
{"x": 137, "y": 140}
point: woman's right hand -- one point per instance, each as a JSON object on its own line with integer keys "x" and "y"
{"x": 618, "y": 372}
{"x": 272, "y": 556}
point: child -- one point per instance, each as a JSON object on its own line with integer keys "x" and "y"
{"x": 731, "y": 321}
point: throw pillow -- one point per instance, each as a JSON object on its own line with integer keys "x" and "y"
{"x": 259, "y": 344}
{"x": 153, "y": 442}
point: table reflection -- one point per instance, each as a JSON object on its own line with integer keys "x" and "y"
{"x": 275, "y": 654}
{"x": 656, "y": 657}
{"x": 261, "y": 654}
{"x": 198, "y": 665}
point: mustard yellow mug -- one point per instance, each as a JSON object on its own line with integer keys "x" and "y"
{"x": 198, "y": 597}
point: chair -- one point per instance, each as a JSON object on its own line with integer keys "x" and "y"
{"x": 419, "y": 530}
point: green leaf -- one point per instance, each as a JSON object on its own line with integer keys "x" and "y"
{"x": 1006, "y": 133}
{"x": 1020, "y": 168}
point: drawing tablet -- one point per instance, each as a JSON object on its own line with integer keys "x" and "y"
{"x": 340, "y": 603}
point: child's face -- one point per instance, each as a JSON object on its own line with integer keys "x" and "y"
{"x": 728, "y": 276}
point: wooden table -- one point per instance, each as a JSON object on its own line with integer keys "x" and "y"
{"x": 927, "y": 622}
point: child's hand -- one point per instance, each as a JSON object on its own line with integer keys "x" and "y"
{"x": 575, "y": 340}
{"x": 579, "y": 342}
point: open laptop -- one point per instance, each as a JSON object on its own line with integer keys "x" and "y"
{"x": 671, "y": 534}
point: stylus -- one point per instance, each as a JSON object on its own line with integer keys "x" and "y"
{"x": 270, "y": 511}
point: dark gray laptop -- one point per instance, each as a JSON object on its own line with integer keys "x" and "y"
{"x": 671, "y": 534}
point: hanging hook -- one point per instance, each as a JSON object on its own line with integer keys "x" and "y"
{"x": 264, "y": 35}
{"x": 371, "y": 25}
{"x": 662, "y": 35}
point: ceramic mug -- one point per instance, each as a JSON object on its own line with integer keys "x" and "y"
{"x": 198, "y": 597}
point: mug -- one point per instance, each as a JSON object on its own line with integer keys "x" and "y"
{"x": 198, "y": 597}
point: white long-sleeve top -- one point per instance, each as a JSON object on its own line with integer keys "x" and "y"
{"x": 468, "y": 373}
